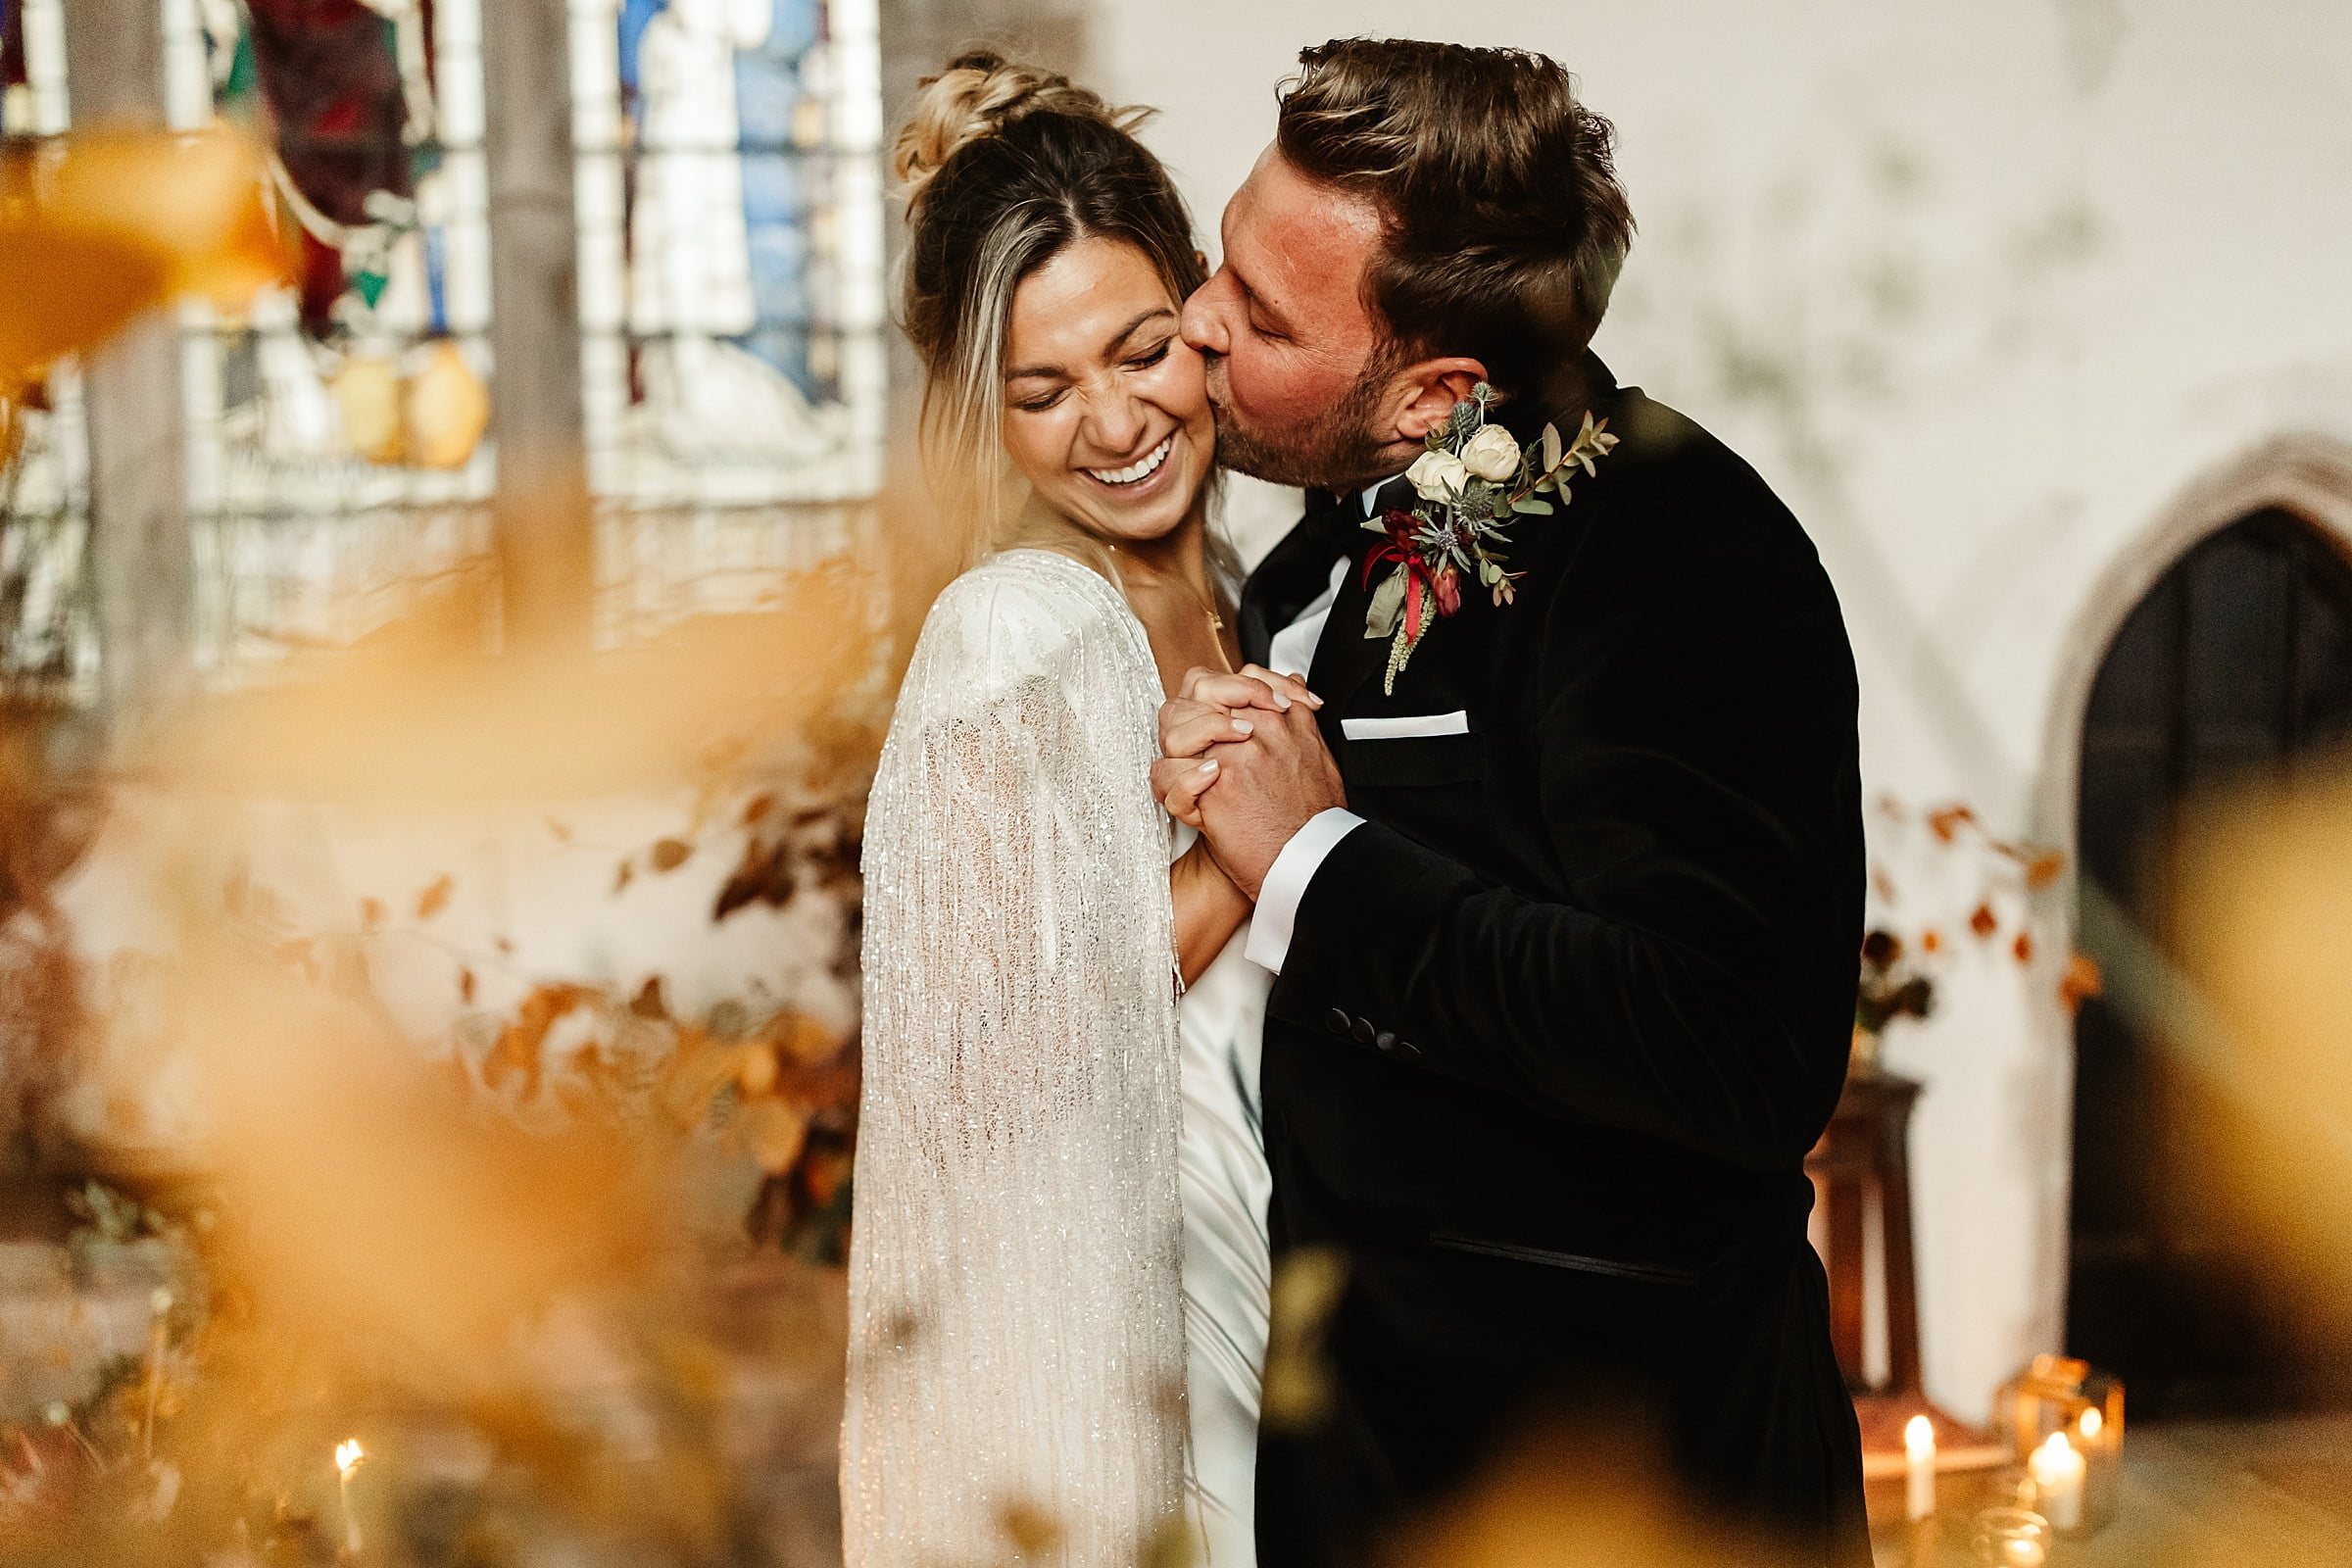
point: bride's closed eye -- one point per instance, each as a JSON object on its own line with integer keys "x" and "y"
{"x": 1151, "y": 357}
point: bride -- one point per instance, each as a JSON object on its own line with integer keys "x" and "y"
{"x": 1058, "y": 1272}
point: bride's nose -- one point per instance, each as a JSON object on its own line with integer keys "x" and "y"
{"x": 1115, "y": 422}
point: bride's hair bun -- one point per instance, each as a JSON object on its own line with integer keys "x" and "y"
{"x": 979, "y": 94}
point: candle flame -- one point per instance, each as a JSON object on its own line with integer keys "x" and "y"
{"x": 1918, "y": 1436}
{"x": 2093, "y": 1421}
{"x": 2055, "y": 1458}
{"x": 348, "y": 1452}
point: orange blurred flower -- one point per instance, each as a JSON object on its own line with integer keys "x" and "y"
{"x": 99, "y": 225}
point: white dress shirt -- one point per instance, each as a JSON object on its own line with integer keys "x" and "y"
{"x": 1293, "y": 652}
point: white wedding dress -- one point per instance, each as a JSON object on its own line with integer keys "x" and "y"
{"x": 1036, "y": 1131}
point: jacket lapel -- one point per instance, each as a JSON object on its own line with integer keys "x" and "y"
{"x": 1345, "y": 657}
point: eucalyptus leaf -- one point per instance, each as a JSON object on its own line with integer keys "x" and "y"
{"x": 1551, "y": 447}
{"x": 1531, "y": 504}
{"x": 1388, "y": 604}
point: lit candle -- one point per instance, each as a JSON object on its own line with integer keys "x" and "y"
{"x": 2023, "y": 1551}
{"x": 2091, "y": 1422}
{"x": 1919, "y": 1467}
{"x": 348, "y": 1455}
{"x": 159, "y": 1339}
{"x": 2058, "y": 1472}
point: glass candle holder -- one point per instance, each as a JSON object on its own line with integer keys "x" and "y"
{"x": 2010, "y": 1538}
{"x": 2060, "y": 1398}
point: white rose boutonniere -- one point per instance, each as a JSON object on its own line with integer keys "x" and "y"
{"x": 1473, "y": 480}
{"x": 1490, "y": 454}
{"x": 1439, "y": 475}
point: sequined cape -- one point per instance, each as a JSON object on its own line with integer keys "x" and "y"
{"x": 1016, "y": 1338}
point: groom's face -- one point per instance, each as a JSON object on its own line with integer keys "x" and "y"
{"x": 1296, "y": 362}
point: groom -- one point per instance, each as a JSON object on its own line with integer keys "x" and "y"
{"x": 1565, "y": 925}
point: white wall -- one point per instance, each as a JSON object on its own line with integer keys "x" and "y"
{"x": 1985, "y": 292}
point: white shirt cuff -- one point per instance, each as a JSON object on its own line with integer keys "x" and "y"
{"x": 1285, "y": 884}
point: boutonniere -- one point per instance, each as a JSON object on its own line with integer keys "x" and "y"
{"x": 1473, "y": 480}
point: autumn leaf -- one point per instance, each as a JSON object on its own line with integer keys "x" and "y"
{"x": 802, "y": 1039}
{"x": 2024, "y": 946}
{"x": 466, "y": 986}
{"x": 2043, "y": 866}
{"x": 1930, "y": 940}
{"x": 1945, "y": 823}
{"x": 2081, "y": 982}
{"x": 759, "y": 806}
{"x": 764, "y": 874}
{"x": 102, "y": 225}
{"x": 669, "y": 855}
{"x": 628, "y": 874}
{"x": 756, "y": 1070}
{"x": 517, "y": 1052}
{"x": 434, "y": 900}
{"x": 697, "y": 1068}
{"x": 371, "y": 911}
{"x": 1984, "y": 922}
{"x": 649, "y": 1001}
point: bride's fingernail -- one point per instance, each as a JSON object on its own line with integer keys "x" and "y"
{"x": 1210, "y": 766}
{"x": 1245, "y": 727}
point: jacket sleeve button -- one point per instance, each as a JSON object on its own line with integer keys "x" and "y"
{"x": 1385, "y": 1041}
{"x": 1335, "y": 1022}
{"x": 1364, "y": 1032}
{"x": 1408, "y": 1047}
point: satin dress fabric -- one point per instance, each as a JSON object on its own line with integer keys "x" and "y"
{"x": 1224, "y": 1183}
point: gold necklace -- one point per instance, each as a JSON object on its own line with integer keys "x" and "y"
{"x": 1208, "y": 611}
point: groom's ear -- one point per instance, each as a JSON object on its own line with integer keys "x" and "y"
{"x": 1424, "y": 394}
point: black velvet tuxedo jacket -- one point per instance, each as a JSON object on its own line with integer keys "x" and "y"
{"x": 1558, "y": 1024}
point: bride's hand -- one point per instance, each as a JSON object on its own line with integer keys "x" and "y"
{"x": 1211, "y": 708}
{"x": 1251, "y": 686}
{"x": 1179, "y": 782}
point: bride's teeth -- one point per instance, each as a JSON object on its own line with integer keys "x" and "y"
{"x": 1141, "y": 470}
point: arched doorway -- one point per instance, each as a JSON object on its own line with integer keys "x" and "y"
{"x": 2237, "y": 661}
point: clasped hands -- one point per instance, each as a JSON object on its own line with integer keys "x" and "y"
{"x": 1242, "y": 762}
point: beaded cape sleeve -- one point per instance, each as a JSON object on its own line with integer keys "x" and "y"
{"x": 1016, "y": 1338}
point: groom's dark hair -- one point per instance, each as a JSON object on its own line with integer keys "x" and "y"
{"x": 1505, "y": 226}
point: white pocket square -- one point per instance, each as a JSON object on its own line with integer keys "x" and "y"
{"x": 1397, "y": 729}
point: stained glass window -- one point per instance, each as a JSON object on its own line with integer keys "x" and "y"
{"x": 336, "y": 452}
{"x": 730, "y": 219}
{"x": 48, "y": 645}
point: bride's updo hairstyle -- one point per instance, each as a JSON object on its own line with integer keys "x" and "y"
{"x": 1004, "y": 167}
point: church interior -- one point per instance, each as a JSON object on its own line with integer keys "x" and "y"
{"x": 450, "y": 605}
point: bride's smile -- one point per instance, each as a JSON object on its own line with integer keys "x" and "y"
{"x": 1136, "y": 474}
{"x": 1105, "y": 412}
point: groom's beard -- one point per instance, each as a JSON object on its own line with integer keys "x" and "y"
{"x": 1336, "y": 450}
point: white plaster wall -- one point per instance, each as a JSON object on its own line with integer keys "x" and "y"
{"x": 1985, "y": 292}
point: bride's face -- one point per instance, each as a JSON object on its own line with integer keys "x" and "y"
{"x": 1105, "y": 412}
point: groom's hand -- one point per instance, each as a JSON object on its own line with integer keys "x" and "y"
{"x": 1213, "y": 708}
{"x": 1266, "y": 788}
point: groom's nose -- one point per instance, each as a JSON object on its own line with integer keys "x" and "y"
{"x": 1203, "y": 321}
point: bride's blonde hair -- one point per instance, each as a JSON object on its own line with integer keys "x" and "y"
{"x": 1004, "y": 165}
